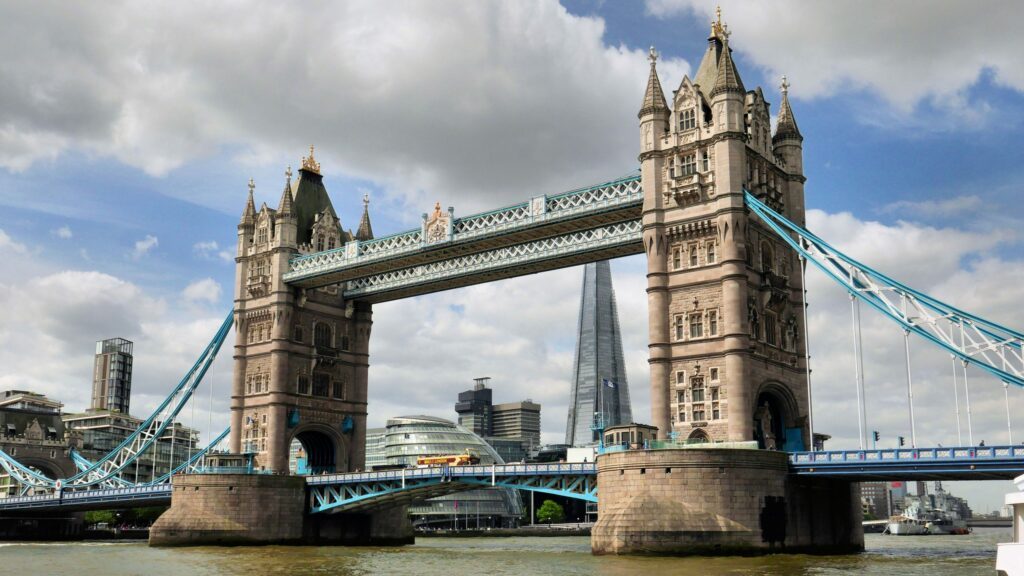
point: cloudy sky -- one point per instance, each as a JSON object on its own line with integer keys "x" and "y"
{"x": 128, "y": 132}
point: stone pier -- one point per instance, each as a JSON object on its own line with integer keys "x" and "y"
{"x": 710, "y": 501}
{"x": 256, "y": 509}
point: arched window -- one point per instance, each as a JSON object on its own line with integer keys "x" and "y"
{"x": 322, "y": 336}
{"x": 321, "y": 384}
{"x": 320, "y": 243}
{"x": 767, "y": 258}
{"x": 330, "y": 243}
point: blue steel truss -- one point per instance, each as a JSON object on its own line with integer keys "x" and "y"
{"x": 102, "y": 472}
{"x": 540, "y": 218}
{"x": 956, "y": 463}
{"x": 971, "y": 338}
{"x": 347, "y": 492}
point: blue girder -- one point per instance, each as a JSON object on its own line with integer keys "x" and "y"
{"x": 345, "y": 492}
{"x": 953, "y": 463}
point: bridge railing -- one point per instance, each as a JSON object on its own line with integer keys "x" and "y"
{"x": 537, "y": 211}
{"x": 956, "y": 453}
{"x": 454, "y": 471}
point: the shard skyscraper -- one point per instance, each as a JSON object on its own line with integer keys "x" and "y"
{"x": 599, "y": 385}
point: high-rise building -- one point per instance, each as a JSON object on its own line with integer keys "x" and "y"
{"x": 519, "y": 420}
{"x": 112, "y": 375}
{"x": 474, "y": 408}
{"x": 599, "y": 385}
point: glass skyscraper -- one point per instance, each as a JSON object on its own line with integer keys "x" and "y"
{"x": 599, "y": 385}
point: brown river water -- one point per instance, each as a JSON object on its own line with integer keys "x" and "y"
{"x": 885, "y": 555}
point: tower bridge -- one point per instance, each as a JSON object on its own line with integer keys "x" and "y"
{"x": 718, "y": 211}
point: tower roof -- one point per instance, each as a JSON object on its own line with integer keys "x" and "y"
{"x": 728, "y": 78}
{"x": 285, "y": 205}
{"x": 654, "y": 97}
{"x": 786, "y": 125}
{"x": 249, "y": 214}
{"x": 309, "y": 198}
{"x": 365, "y": 231}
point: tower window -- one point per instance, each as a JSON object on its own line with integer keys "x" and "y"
{"x": 716, "y": 413}
{"x": 677, "y": 258}
{"x": 711, "y": 255}
{"x": 697, "y": 389}
{"x": 705, "y": 161}
{"x": 322, "y": 336}
{"x": 339, "y": 390}
{"x": 689, "y": 165}
{"x": 696, "y": 326}
{"x": 321, "y": 384}
{"x": 687, "y": 120}
{"x": 680, "y": 323}
{"x": 680, "y": 379}
{"x": 714, "y": 378}
{"x": 770, "y": 329}
{"x": 320, "y": 243}
{"x": 330, "y": 243}
{"x": 698, "y": 412}
{"x": 303, "y": 384}
{"x": 298, "y": 333}
{"x": 693, "y": 255}
{"x": 713, "y": 324}
{"x": 767, "y": 258}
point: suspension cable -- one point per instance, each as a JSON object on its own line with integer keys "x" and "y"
{"x": 956, "y": 401}
{"x": 807, "y": 351}
{"x": 967, "y": 390}
{"x": 910, "y": 380}
{"x": 1006, "y": 396}
{"x": 858, "y": 364}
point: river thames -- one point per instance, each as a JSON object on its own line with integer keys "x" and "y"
{"x": 885, "y": 555}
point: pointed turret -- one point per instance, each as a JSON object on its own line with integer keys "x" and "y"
{"x": 728, "y": 79}
{"x": 786, "y": 125}
{"x": 654, "y": 97}
{"x": 365, "y": 231}
{"x": 249, "y": 214}
{"x": 284, "y": 207}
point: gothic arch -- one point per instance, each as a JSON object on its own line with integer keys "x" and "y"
{"x": 324, "y": 446}
{"x": 775, "y": 411}
{"x": 699, "y": 435}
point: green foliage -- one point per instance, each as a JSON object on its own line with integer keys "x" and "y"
{"x": 550, "y": 511}
{"x": 98, "y": 516}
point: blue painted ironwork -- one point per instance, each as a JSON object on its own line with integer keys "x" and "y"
{"x": 371, "y": 489}
{"x": 539, "y": 212}
{"x": 986, "y": 344}
{"x": 109, "y": 498}
{"x": 135, "y": 443}
{"x": 954, "y": 463}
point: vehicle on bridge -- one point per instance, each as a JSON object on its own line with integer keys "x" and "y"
{"x": 467, "y": 459}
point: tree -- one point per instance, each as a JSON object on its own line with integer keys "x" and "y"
{"x": 550, "y": 511}
{"x": 98, "y": 516}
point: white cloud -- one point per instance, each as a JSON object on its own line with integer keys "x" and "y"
{"x": 64, "y": 233}
{"x": 958, "y": 205}
{"x": 144, "y": 246}
{"x": 8, "y": 244}
{"x": 479, "y": 97}
{"x": 208, "y": 250}
{"x": 906, "y": 52}
{"x": 205, "y": 290}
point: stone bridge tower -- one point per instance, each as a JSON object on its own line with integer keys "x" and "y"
{"x": 301, "y": 356}
{"x": 724, "y": 295}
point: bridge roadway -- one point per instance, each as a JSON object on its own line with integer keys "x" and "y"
{"x": 364, "y": 490}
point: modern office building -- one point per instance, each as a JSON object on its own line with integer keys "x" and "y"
{"x": 408, "y": 437}
{"x": 517, "y": 420}
{"x": 102, "y": 431}
{"x": 599, "y": 388}
{"x": 112, "y": 376}
{"x": 474, "y": 408}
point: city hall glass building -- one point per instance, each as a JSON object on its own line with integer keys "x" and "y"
{"x": 408, "y": 437}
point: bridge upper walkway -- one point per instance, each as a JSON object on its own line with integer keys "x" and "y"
{"x": 547, "y": 232}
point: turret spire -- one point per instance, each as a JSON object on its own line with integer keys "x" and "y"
{"x": 786, "y": 125}
{"x": 365, "y": 231}
{"x": 654, "y": 97}
{"x": 285, "y": 205}
{"x": 728, "y": 79}
{"x": 249, "y": 214}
